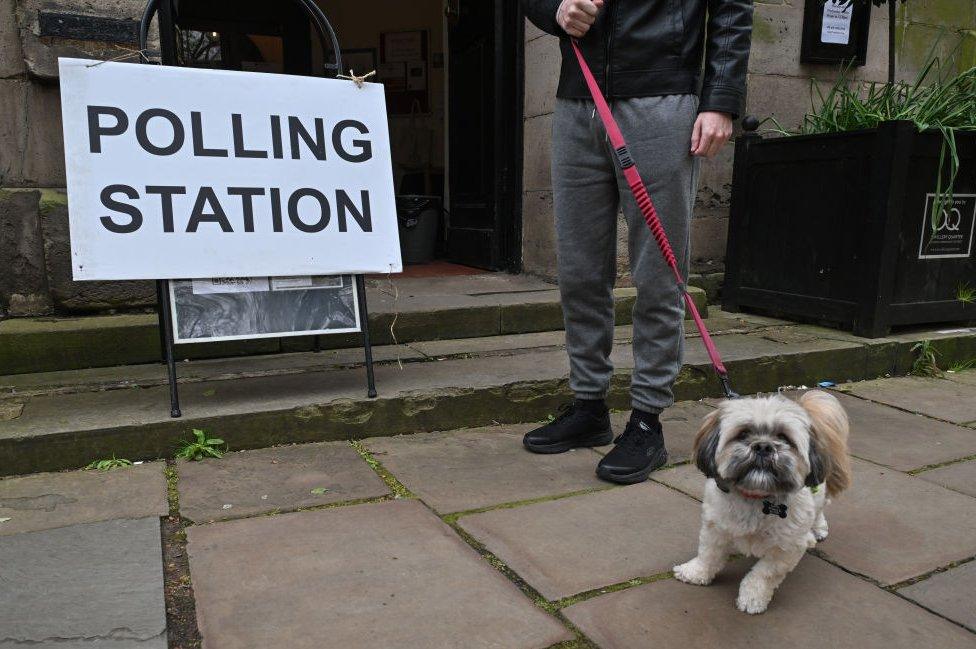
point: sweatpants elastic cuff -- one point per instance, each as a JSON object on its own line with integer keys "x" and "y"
{"x": 640, "y": 405}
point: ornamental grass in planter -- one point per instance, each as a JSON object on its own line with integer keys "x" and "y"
{"x": 863, "y": 218}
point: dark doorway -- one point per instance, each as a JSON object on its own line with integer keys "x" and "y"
{"x": 485, "y": 43}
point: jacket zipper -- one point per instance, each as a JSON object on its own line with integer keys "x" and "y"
{"x": 609, "y": 46}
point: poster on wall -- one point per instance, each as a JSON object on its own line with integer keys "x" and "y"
{"x": 184, "y": 172}
{"x": 836, "y": 26}
{"x": 835, "y": 31}
{"x": 403, "y": 71}
{"x": 238, "y": 308}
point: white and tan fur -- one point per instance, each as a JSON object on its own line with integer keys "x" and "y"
{"x": 793, "y": 453}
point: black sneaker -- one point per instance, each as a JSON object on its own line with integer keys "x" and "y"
{"x": 638, "y": 451}
{"x": 575, "y": 426}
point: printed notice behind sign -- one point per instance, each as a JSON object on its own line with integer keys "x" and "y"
{"x": 836, "y": 27}
{"x": 181, "y": 172}
{"x": 294, "y": 306}
{"x": 949, "y": 233}
{"x": 218, "y": 285}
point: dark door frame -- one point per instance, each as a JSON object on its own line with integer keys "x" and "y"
{"x": 509, "y": 144}
{"x": 494, "y": 240}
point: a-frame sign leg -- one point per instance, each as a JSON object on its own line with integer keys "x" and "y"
{"x": 166, "y": 316}
{"x": 160, "y": 310}
{"x": 364, "y": 327}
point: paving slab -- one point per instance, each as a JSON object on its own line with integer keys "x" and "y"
{"x": 951, "y": 593}
{"x": 476, "y": 468}
{"x": 967, "y": 377}
{"x": 387, "y": 574}
{"x": 568, "y": 546}
{"x": 904, "y": 440}
{"x": 92, "y": 585}
{"x": 685, "y": 478}
{"x": 247, "y": 483}
{"x": 49, "y": 500}
{"x": 947, "y": 400}
{"x": 817, "y": 606}
{"x": 892, "y": 527}
{"x": 959, "y": 477}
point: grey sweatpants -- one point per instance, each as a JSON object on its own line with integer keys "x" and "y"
{"x": 588, "y": 190}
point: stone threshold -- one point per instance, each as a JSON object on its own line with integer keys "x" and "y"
{"x": 449, "y": 385}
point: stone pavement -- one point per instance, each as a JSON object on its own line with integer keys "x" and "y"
{"x": 462, "y": 539}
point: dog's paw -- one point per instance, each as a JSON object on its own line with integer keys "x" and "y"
{"x": 820, "y": 529}
{"x": 751, "y": 604}
{"x": 693, "y": 572}
{"x": 753, "y": 598}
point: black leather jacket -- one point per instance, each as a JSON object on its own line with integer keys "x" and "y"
{"x": 640, "y": 48}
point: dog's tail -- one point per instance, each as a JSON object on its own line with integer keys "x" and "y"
{"x": 831, "y": 429}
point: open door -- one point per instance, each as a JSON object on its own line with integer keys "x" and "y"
{"x": 485, "y": 39}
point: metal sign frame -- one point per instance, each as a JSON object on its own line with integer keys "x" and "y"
{"x": 163, "y": 10}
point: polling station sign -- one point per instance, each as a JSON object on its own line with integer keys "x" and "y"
{"x": 178, "y": 172}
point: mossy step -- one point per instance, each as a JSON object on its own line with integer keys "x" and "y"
{"x": 30, "y": 345}
{"x": 58, "y": 431}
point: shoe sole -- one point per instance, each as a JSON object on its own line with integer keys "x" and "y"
{"x": 637, "y": 476}
{"x": 551, "y": 449}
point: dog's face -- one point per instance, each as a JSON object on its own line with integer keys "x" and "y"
{"x": 765, "y": 445}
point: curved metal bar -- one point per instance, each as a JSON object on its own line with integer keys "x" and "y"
{"x": 151, "y": 7}
{"x": 323, "y": 27}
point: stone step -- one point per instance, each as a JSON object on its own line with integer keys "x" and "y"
{"x": 445, "y": 308}
{"x": 53, "y": 421}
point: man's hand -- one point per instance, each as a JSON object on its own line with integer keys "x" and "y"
{"x": 712, "y": 131}
{"x": 577, "y": 16}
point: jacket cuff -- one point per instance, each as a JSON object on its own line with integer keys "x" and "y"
{"x": 542, "y": 14}
{"x": 722, "y": 99}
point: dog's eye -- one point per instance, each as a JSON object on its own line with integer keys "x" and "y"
{"x": 744, "y": 433}
{"x": 786, "y": 440}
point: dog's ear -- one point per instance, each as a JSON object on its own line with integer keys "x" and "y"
{"x": 818, "y": 468}
{"x": 829, "y": 459}
{"x": 706, "y": 445}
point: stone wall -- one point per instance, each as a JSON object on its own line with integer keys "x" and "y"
{"x": 779, "y": 87}
{"x": 35, "y": 275}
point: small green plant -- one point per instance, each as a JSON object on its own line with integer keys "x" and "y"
{"x": 966, "y": 293}
{"x": 939, "y": 99}
{"x": 925, "y": 359}
{"x": 201, "y": 447}
{"x": 962, "y": 366}
{"x": 109, "y": 464}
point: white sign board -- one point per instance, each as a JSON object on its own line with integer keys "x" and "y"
{"x": 178, "y": 172}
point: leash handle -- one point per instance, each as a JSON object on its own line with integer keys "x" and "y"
{"x": 646, "y": 206}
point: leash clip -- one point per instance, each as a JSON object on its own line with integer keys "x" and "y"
{"x": 727, "y": 387}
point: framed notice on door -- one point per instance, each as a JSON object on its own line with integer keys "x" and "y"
{"x": 238, "y": 308}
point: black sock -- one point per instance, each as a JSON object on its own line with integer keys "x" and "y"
{"x": 593, "y": 407}
{"x": 651, "y": 422}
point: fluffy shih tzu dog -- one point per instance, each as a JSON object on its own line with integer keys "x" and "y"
{"x": 772, "y": 464}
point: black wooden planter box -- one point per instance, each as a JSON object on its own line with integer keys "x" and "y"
{"x": 830, "y": 228}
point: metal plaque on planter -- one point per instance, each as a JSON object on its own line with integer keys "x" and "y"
{"x": 947, "y": 232}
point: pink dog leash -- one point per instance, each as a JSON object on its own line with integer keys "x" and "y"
{"x": 646, "y": 207}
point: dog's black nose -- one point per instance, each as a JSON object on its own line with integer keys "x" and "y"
{"x": 763, "y": 448}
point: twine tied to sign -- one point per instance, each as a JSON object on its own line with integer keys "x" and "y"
{"x": 356, "y": 79}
